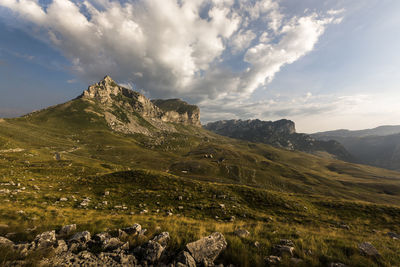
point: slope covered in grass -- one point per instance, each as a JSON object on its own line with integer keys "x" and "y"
{"x": 208, "y": 182}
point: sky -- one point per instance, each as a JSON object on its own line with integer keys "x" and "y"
{"x": 325, "y": 64}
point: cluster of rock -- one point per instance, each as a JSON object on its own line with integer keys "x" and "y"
{"x": 285, "y": 247}
{"x": 131, "y": 112}
{"x": 71, "y": 248}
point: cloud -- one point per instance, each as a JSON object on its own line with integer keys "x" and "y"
{"x": 204, "y": 50}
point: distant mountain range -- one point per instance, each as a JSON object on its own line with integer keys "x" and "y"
{"x": 378, "y": 131}
{"x": 378, "y": 147}
{"x": 281, "y": 133}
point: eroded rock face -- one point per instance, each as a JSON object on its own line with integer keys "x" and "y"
{"x": 131, "y": 112}
{"x": 207, "y": 249}
{"x": 281, "y": 133}
{"x": 177, "y": 110}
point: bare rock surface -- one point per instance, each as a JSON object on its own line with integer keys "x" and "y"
{"x": 207, "y": 249}
{"x": 128, "y": 111}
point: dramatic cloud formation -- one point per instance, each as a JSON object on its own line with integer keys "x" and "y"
{"x": 213, "y": 52}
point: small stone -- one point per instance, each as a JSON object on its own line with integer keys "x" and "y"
{"x": 162, "y": 239}
{"x": 393, "y": 235}
{"x": 67, "y": 229}
{"x": 80, "y": 237}
{"x": 367, "y": 249}
{"x": 63, "y": 199}
{"x": 242, "y": 233}
{"x": 5, "y": 242}
{"x": 133, "y": 230}
{"x": 282, "y": 249}
{"x": 106, "y": 193}
{"x": 45, "y": 239}
{"x": 344, "y": 226}
{"x": 286, "y": 242}
{"x": 272, "y": 260}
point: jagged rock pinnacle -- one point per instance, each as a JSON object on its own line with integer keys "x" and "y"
{"x": 107, "y": 79}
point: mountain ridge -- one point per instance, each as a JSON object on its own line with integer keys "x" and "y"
{"x": 130, "y": 112}
{"x": 281, "y": 133}
{"x": 377, "y": 131}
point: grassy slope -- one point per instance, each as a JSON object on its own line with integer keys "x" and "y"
{"x": 307, "y": 197}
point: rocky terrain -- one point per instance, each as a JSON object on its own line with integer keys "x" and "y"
{"x": 68, "y": 247}
{"x": 128, "y": 111}
{"x": 281, "y": 133}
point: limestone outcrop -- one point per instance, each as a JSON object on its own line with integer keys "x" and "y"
{"x": 128, "y": 111}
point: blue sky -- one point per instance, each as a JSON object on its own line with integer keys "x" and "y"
{"x": 324, "y": 64}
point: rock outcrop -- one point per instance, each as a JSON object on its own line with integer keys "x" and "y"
{"x": 281, "y": 133}
{"x": 106, "y": 249}
{"x": 128, "y": 111}
{"x": 177, "y": 110}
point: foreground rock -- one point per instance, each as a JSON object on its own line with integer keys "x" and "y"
{"x": 207, "y": 249}
{"x": 106, "y": 249}
{"x": 285, "y": 246}
{"x": 5, "y": 242}
{"x": 367, "y": 249}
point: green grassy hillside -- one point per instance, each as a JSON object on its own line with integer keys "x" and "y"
{"x": 69, "y": 151}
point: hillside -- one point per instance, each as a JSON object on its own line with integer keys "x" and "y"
{"x": 377, "y": 147}
{"x": 281, "y": 134}
{"x": 111, "y": 158}
{"x": 378, "y": 131}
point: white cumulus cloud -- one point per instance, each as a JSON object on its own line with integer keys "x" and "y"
{"x": 208, "y": 51}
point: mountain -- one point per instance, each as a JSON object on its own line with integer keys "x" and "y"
{"x": 378, "y": 131}
{"x": 377, "y": 147}
{"x": 111, "y": 158}
{"x": 281, "y": 133}
{"x": 128, "y": 111}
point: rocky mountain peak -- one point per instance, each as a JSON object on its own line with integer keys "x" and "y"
{"x": 131, "y": 112}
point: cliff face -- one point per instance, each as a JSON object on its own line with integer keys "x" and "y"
{"x": 179, "y": 111}
{"x": 281, "y": 133}
{"x": 131, "y": 112}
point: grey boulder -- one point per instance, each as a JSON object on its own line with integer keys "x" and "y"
{"x": 207, "y": 249}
